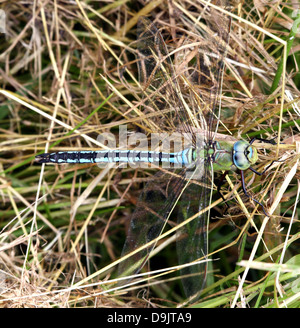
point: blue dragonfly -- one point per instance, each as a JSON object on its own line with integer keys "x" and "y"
{"x": 188, "y": 100}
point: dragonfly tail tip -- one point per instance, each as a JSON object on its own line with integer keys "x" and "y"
{"x": 42, "y": 158}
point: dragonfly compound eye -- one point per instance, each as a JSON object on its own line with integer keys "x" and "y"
{"x": 244, "y": 155}
{"x": 251, "y": 154}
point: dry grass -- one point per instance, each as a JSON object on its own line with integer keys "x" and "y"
{"x": 62, "y": 227}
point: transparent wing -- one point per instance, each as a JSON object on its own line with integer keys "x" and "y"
{"x": 192, "y": 237}
{"x": 188, "y": 95}
{"x": 207, "y": 73}
{"x": 158, "y": 78}
{"x": 153, "y": 208}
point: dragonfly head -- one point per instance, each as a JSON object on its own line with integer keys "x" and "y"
{"x": 244, "y": 155}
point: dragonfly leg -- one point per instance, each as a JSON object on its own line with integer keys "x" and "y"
{"x": 261, "y": 173}
{"x": 220, "y": 184}
{"x": 245, "y": 192}
{"x": 272, "y": 141}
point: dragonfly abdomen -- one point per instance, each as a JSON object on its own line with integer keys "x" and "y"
{"x": 116, "y": 156}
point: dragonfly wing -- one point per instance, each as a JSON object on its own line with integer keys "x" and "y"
{"x": 208, "y": 71}
{"x": 192, "y": 237}
{"x": 158, "y": 78}
{"x": 152, "y": 211}
{"x": 166, "y": 86}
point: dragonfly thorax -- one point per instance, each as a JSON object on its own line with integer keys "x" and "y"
{"x": 244, "y": 155}
{"x": 205, "y": 151}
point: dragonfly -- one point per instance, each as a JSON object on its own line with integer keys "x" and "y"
{"x": 188, "y": 99}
